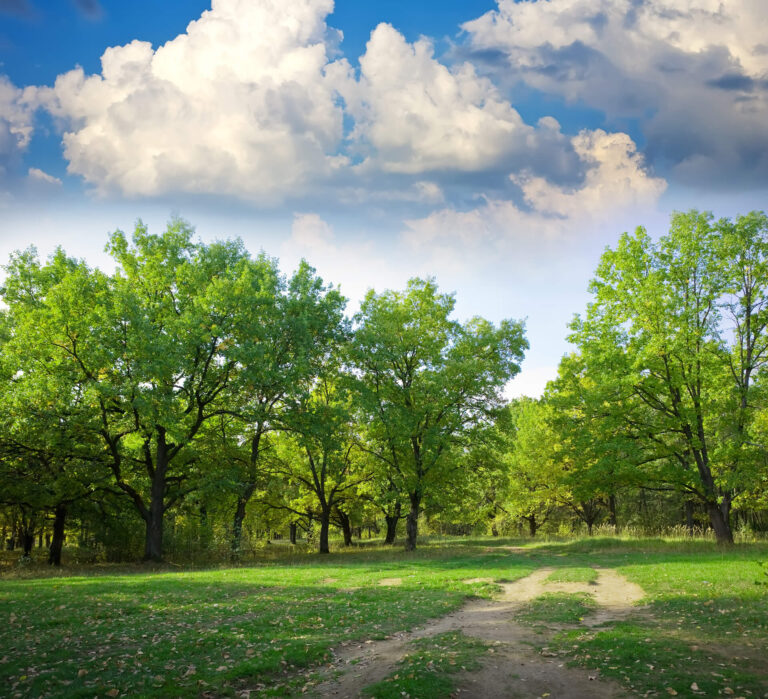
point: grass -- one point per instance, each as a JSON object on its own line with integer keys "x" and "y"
{"x": 427, "y": 670}
{"x": 162, "y": 634}
{"x": 573, "y": 575}
{"x": 265, "y": 627}
{"x": 557, "y": 608}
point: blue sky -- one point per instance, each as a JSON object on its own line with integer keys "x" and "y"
{"x": 498, "y": 145}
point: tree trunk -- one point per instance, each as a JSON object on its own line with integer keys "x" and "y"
{"x": 612, "y": 511}
{"x": 246, "y": 494}
{"x": 494, "y": 529}
{"x": 412, "y": 522}
{"x": 346, "y": 527}
{"x": 325, "y": 523}
{"x": 57, "y": 542}
{"x": 153, "y": 545}
{"x": 292, "y": 527}
{"x": 392, "y": 521}
{"x": 239, "y": 518}
{"x": 719, "y": 516}
{"x": 533, "y": 525}
{"x": 28, "y": 541}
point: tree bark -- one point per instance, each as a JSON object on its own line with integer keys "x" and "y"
{"x": 57, "y": 542}
{"x": 245, "y": 495}
{"x": 239, "y": 518}
{"x": 292, "y": 527}
{"x": 28, "y": 541}
{"x": 153, "y": 544}
{"x": 612, "y": 511}
{"x": 719, "y": 516}
{"x": 346, "y": 527}
{"x": 412, "y": 522}
{"x": 533, "y": 525}
{"x": 392, "y": 521}
{"x": 325, "y": 524}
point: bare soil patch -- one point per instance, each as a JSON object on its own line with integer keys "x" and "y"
{"x": 391, "y": 582}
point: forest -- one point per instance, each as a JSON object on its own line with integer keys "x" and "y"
{"x": 197, "y": 403}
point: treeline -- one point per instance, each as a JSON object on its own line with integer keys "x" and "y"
{"x": 666, "y": 392}
{"x": 199, "y": 399}
{"x": 198, "y": 381}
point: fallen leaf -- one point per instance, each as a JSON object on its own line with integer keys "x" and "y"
{"x": 694, "y": 687}
{"x": 113, "y": 693}
{"x": 671, "y": 692}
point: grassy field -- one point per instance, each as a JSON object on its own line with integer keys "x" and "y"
{"x": 267, "y": 627}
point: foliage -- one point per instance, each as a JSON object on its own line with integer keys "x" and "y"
{"x": 426, "y": 383}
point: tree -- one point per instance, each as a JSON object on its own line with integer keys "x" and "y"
{"x": 657, "y": 340}
{"x": 151, "y": 349}
{"x": 535, "y": 474}
{"x": 320, "y": 452}
{"x": 425, "y": 381}
{"x": 280, "y": 344}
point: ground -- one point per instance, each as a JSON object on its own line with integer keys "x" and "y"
{"x": 463, "y": 618}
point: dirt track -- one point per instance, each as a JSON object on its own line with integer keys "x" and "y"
{"x": 514, "y": 669}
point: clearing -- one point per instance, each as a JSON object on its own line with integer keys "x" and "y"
{"x": 465, "y": 617}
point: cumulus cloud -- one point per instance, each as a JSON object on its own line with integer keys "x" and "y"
{"x": 616, "y": 183}
{"x": 413, "y": 114}
{"x": 238, "y": 104}
{"x": 694, "y": 72}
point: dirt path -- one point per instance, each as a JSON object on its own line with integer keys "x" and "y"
{"x": 514, "y": 669}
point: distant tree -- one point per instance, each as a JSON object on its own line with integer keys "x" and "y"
{"x": 425, "y": 382}
{"x": 320, "y": 452}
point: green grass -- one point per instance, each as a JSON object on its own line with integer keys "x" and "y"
{"x": 573, "y": 575}
{"x": 162, "y": 634}
{"x": 557, "y": 608}
{"x": 265, "y": 627}
{"x": 659, "y": 662}
{"x": 426, "y": 671}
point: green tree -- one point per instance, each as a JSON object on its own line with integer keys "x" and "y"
{"x": 425, "y": 381}
{"x": 280, "y": 343}
{"x": 151, "y": 349}
{"x": 320, "y": 453}
{"x": 658, "y": 343}
{"x": 535, "y": 473}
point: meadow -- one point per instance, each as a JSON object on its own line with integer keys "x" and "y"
{"x": 271, "y": 628}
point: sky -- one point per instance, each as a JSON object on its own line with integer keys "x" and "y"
{"x": 497, "y": 145}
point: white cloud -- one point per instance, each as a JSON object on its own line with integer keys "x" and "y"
{"x": 37, "y": 175}
{"x": 616, "y": 184}
{"x": 694, "y": 72}
{"x": 239, "y": 104}
{"x": 16, "y": 125}
{"x": 414, "y": 114}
